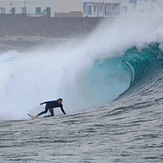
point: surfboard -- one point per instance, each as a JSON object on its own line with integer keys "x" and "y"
{"x": 31, "y": 116}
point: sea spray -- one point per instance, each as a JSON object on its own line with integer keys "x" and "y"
{"x": 74, "y": 71}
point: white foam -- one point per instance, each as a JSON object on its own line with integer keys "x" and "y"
{"x": 132, "y": 70}
{"x": 48, "y": 73}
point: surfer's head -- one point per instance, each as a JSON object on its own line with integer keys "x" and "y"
{"x": 60, "y": 100}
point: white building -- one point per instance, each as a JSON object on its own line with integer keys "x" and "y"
{"x": 101, "y": 8}
{"x": 144, "y": 7}
{"x": 149, "y": 7}
{"x": 128, "y": 7}
{"x": 27, "y": 7}
{"x": 114, "y": 8}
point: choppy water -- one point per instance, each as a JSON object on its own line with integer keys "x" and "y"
{"x": 125, "y": 134}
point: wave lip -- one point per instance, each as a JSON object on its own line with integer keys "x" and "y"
{"x": 140, "y": 62}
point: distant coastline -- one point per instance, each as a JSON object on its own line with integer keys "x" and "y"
{"x": 20, "y": 32}
{"x": 47, "y": 27}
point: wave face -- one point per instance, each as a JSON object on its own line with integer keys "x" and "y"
{"x": 85, "y": 73}
{"x": 118, "y": 74}
{"x": 141, "y": 61}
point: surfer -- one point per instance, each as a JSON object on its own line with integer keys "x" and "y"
{"x": 50, "y": 105}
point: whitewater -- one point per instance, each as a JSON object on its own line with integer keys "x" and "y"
{"x": 112, "y": 85}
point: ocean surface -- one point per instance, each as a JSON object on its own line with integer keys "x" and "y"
{"x": 112, "y": 90}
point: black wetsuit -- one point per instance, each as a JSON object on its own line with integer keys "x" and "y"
{"x": 50, "y": 105}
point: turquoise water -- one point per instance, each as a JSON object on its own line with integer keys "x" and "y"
{"x": 141, "y": 61}
{"x": 118, "y": 74}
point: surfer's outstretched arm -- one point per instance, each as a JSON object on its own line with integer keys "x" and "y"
{"x": 62, "y": 110}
